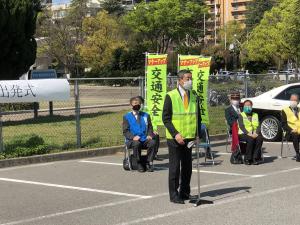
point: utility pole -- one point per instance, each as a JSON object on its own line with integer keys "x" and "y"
{"x": 216, "y": 13}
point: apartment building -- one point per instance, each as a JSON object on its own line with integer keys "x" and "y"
{"x": 228, "y": 10}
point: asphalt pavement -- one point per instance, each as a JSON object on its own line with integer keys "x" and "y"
{"x": 98, "y": 191}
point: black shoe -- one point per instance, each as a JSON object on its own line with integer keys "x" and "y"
{"x": 247, "y": 162}
{"x": 208, "y": 153}
{"x": 177, "y": 200}
{"x": 185, "y": 196}
{"x": 149, "y": 168}
{"x": 141, "y": 168}
{"x": 255, "y": 162}
{"x": 298, "y": 157}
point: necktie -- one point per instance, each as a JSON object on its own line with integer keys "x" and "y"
{"x": 185, "y": 101}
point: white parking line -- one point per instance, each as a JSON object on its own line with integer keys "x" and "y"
{"x": 74, "y": 188}
{"x": 221, "y": 202}
{"x": 103, "y": 163}
{"x": 69, "y": 212}
{"x": 224, "y": 173}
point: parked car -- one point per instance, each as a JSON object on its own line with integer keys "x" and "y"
{"x": 223, "y": 76}
{"x": 269, "y": 106}
{"x": 285, "y": 75}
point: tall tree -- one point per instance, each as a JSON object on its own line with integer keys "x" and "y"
{"x": 17, "y": 42}
{"x": 274, "y": 39}
{"x": 167, "y": 22}
{"x": 113, "y": 7}
{"x": 103, "y": 38}
{"x": 256, "y": 10}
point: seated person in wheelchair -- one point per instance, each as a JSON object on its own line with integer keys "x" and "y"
{"x": 249, "y": 131}
{"x": 233, "y": 111}
{"x": 291, "y": 122}
{"x": 137, "y": 129}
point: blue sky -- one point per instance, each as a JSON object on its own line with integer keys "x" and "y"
{"x": 60, "y": 1}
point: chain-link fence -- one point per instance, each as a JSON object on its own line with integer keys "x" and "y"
{"x": 93, "y": 115}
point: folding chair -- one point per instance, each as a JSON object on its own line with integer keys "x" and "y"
{"x": 205, "y": 145}
{"x": 128, "y": 158}
{"x": 286, "y": 136}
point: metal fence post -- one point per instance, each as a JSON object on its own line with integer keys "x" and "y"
{"x": 77, "y": 114}
{"x": 1, "y": 133}
{"x": 246, "y": 86}
{"x": 286, "y": 79}
{"x": 141, "y": 87}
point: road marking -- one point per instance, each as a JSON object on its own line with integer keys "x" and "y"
{"x": 217, "y": 203}
{"x": 70, "y": 212}
{"x": 158, "y": 196}
{"x": 103, "y": 163}
{"x": 26, "y": 166}
{"x": 73, "y": 188}
{"x": 224, "y": 173}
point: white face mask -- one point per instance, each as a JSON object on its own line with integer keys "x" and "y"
{"x": 235, "y": 102}
{"x": 293, "y": 104}
{"x": 188, "y": 85}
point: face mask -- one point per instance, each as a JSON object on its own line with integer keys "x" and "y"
{"x": 235, "y": 102}
{"x": 188, "y": 85}
{"x": 136, "y": 107}
{"x": 294, "y": 104}
{"x": 247, "y": 109}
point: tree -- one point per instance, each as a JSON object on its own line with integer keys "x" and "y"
{"x": 256, "y": 10}
{"x": 168, "y": 22}
{"x": 113, "y": 7}
{"x": 234, "y": 33}
{"x": 103, "y": 38}
{"x": 274, "y": 39}
{"x": 62, "y": 36}
{"x": 17, "y": 42}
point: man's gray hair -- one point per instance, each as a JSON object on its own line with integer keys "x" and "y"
{"x": 296, "y": 95}
{"x": 181, "y": 73}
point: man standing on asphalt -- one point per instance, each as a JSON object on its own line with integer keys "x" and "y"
{"x": 179, "y": 118}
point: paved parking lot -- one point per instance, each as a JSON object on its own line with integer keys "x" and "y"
{"x": 98, "y": 191}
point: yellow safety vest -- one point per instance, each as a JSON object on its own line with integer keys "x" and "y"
{"x": 250, "y": 126}
{"x": 183, "y": 120}
{"x": 292, "y": 120}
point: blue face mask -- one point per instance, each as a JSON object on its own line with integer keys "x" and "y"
{"x": 247, "y": 109}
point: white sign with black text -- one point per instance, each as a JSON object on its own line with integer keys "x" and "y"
{"x": 12, "y": 91}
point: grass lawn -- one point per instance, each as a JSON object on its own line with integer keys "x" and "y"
{"x": 101, "y": 129}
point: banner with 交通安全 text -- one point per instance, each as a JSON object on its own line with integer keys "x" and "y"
{"x": 156, "y": 80}
{"x": 199, "y": 66}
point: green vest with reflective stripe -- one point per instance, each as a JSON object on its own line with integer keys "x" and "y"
{"x": 183, "y": 120}
{"x": 250, "y": 126}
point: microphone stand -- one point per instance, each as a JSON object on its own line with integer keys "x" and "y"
{"x": 198, "y": 201}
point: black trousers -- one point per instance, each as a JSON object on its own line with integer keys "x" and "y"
{"x": 180, "y": 168}
{"x": 253, "y": 149}
{"x": 137, "y": 147}
{"x": 296, "y": 139}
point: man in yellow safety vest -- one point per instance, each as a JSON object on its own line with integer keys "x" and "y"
{"x": 291, "y": 122}
{"x": 180, "y": 120}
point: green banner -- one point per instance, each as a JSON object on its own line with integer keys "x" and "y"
{"x": 156, "y": 80}
{"x": 199, "y": 66}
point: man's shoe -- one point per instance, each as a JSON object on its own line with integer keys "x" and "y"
{"x": 177, "y": 200}
{"x": 150, "y": 168}
{"x": 208, "y": 153}
{"x": 247, "y": 162}
{"x": 298, "y": 157}
{"x": 184, "y": 196}
{"x": 141, "y": 168}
